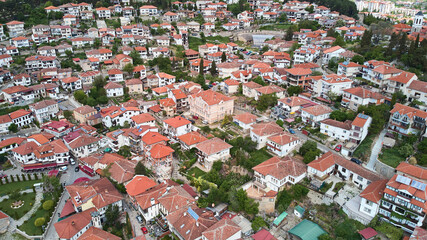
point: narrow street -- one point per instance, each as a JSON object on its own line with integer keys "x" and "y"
{"x": 376, "y": 149}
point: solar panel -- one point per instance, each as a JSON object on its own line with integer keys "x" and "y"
{"x": 403, "y": 179}
{"x": 123, "y": 109}
{"x": 418, "y": 185}
{"x": 363, "y": 116}
{"x": 193, "y": 214}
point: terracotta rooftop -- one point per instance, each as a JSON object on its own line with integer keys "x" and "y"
{"x": 192, "y": 138}
{"x": 281, "y": 168}
{"x": 213, "y": 146}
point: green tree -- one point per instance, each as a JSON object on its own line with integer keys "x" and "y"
{"x": 358, "y": 59}
{"x": 136, "y": 58}
{"x": 294, "y": 90}
{"x": 68, "y": 115}
{"x": 223, "y": 57}
{"x": 13, "y": 128}
{"x": 259, "y": 80}
{"x": 406, "y": 150}
{"x": 398, "y": 97}
{"x": 124, "y": 151}
{"x": 341, "y": 115}
{"x": 112, "y": 216}
{"x": 310, "y": 9}
{"x": 213, "y": 69}
{"x": 47, "y": 205}
{"x": 99, "y": 82}
{"x": 289, "y": 33}
{"x": 266, "y": 101}
{"x": 39, "y": 222}
{"x": 258, "y": 223}
{"x": 402, "y": 44}
{"x": 80, "y": 96}
{"x": 325, "y": 236}
{"x": 51, "y": 184}
{"x": 128, "y": 68}
{"x": 366, "y": 39}
{"x": 201, "y": 67}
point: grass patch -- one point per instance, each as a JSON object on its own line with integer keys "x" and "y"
{"x": 338, "y": 186}
{"x": 275, "y": 27}
{"x": 196, "y": 171}
{"x": 28, "y": 198}
{"x": 194, "y": 43}
{"x": 391, "y": 157}
{"x": 363, "y": 151}
{"x": 28, "y": 226}
{"x": 8, "y": 188}
{"x": 325, "y": 187}
{"x": 219, "y": 39}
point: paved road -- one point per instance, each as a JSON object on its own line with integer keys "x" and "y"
{"x": 50, "y": 231}
{"x": 376, "y": 149}
{"x": 303, "y": 137}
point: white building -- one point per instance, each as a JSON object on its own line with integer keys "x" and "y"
{"x": 177, "y": 126}
{"x": 212, "y": 150}
{"x": 276, "y": 172}
{"x": 44, "y": 110}
{"x": 331, "y": 83}
{"x": 282, "y": 144}
{"x": 114, "y": 89}
{"x": 314, "y": 114}
{"x": 260, "y": 132}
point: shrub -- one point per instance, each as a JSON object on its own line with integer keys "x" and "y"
{"x": 39, "y": 222}
{"x": 47, "y": 205}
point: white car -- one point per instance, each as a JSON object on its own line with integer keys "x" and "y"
{"x": 64, "y": 168}
{"x": 72, "y": 162}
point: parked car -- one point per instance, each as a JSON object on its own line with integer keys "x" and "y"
{"x": 291, "y": 131}
{"x": 3, "y": 175}
{"x": 144, "y": 230}
{"x": 195, "y": 117}
{"x": 299, "y": 128}
{"x": 72, "y": 162}
{"x": 338, "y": 148}
{"x": 192, "y": 121}
{"x": 76, "y": 169}
{"x": 139, "y": 218}
{"x": 355, "y": 160}
{"x": 64, "y": 168}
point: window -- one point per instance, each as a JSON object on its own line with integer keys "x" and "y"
{"x": 369, "y": 203}
{"x": 367, "y": 210}
{"x": 359, "y": 178}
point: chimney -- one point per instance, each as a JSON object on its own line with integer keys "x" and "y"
{"x": 73, "y": 223}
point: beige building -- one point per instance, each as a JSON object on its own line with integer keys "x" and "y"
{"x": 82, "y": 114}
{"x": 211, "y": 106}
{"x": 135, "y": 86}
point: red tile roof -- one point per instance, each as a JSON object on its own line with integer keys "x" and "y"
{"x": 211, "y": 97}
{"x": 281, "y": 168}
{"x": 177, "y": 121}
{"x": 143, "y": 118}
{"x": 266, "y": 129}
{"x": 246, "y": 118}
{"x": 159, "y": 151}
{"x": 94, "y": 233}
{"x": 374, "y": 192}
{"x": 409, "y": 111}
{"x": 221, "y": 230}
{"x": 139, "y": 184}
{"x": 283, "y": 138}
{"x": 192, "y": 138}
{"x": 317, "y": 110}
{"x": 415, "y": 171}
{"x": 213, "y": 146}
{"x": 69, "y": 227}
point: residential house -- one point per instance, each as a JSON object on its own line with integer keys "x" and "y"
{"x": 276, "y": 172}
{"x": 352, "y": 98}
{"x": 282, "y": 144}
{"x": 177, "y": 126}
{"x": 114, "y": 89}
{"x": 245, "y": 120}
{"x": 211, "y": 106}
{"x": 44, "y": 110}
{"x": 191, "y": 139}
{"x": 214, "y": 149}
{"x": 407, "y": 120}
{"x": 260, "y": 132}
{"x": 314, "y": 114}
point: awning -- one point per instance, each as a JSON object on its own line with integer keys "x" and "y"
{"x": 41, "y": 166}
{"x": 86, "y": 168}
{"x": 280, "y": 218}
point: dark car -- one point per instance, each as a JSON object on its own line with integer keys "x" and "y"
{"x": 338, "y": 148}
{"x": 76, "y": 169}
{"x": 355, "y": 160}
{"x": 144, "y": 230}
